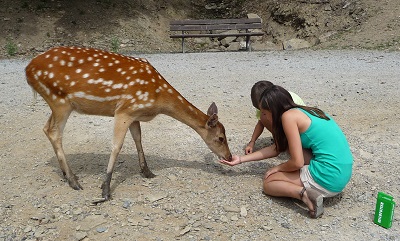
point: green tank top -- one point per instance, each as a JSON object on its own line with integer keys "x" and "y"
{"x": 331, "y": 165}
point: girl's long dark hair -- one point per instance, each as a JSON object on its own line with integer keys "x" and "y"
{"x": 278, "y": 100}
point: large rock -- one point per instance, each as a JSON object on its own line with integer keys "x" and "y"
{"x": 296, "y": 44}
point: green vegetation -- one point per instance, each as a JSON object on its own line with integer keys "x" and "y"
{"x": 11, "y": 48}
{"x": 115, "y": 44}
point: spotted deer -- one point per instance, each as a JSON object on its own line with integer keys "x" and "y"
{"x": 96, "y": 82}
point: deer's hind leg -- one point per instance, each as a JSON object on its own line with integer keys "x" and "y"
{"x": 136, "y": 133}
{"x": 54, "y": 129}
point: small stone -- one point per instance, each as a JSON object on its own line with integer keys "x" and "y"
{"x": 101, "y": 229}
{"x": 126, "y": 204}
{"x": 185, "y": 230}
{"x": 223, "y": 218}
{"x": 80, "y": 235}
{"x": 243, "y": 211}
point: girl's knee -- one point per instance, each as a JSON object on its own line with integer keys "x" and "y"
{"x": 266, "y": 186}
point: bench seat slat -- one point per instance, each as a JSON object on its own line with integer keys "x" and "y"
{"x": 215, "y": 21}
{"x": 194, "y": 35}
{"x": 215, "y": 27}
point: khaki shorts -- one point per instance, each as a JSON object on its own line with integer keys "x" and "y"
{"x": 309, "y": 182}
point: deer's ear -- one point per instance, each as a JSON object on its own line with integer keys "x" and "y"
{"x": 212, "y": 110}
{"x": 212, "y": 121}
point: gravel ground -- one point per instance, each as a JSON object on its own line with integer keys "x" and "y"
{"x": 193, "y": 197}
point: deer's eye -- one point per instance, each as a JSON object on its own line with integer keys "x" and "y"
{"x": 221, "y": 139}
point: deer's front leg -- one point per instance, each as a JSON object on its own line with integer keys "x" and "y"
{"x": 136, "y": 133}
{"x": 121, "y": 125}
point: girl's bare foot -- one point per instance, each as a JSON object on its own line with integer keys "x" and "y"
{"x": 314, "y": 201}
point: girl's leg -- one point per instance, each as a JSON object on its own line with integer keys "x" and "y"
{"x": 284, "y": 184}
{"x": 287, "y": 184}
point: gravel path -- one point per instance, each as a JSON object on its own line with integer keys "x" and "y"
{"x": 193, "y": 197}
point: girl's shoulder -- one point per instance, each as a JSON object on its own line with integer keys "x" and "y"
{"x": 292, "y": 114}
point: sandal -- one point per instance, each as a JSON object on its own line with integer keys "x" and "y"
{"x": 317, "y": 200}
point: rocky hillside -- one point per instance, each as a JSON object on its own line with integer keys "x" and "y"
{"x": 29, "y": 27}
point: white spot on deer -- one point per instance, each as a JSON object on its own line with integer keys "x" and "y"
{"x": 105, "y": 56}
{"x": 55, "y": 58}
{"x": 92, "y": 81}
{"x": 66, "y": 77}
{"x": 131, "y": 83}
{"x": 123, "y": 72}
{"x": 78, "y": 71}
{"x": 131, "y": 68}
{"x": 116, "y": 61}
{"x": 159, "y": 77}
{"x": 141, "y": 106}
{"x": 85, "y": 76}
{"x": 190, "y": 108}
{"x": 119, "y": 70}
{"x": 39, "y": 73}
{"x": 64, "y": 52}
{"x": 90, "y": 58}
{"x": 128, "y": 77}
{"x": 134, "y": 72}
{"x": 54, "y": 84}
{"x": 47, "y": 56}
{"x": 96, "y": 64}
{"x": 143, "y": 96}
{"x": 70, "y": 64}
{"x": 107, "y": 82}
{"x": 102, "y": 70}
{"x": 125, "y": 86}
{"x": 72, "y": 83}
{"x": 81, "y": 61}
{"x": 180, "y": 98}
{"x": 72, "y": 58}
{"x": 170, "y": 91}
{"x": 83, "y": 95}
{"x": 54, "y": 97}
{"x": 95, "y": 55}
{"x": 129, "y": 97}
{"x": 51, "y": 75}
{"x": 62, "y": 62}
{"x": 50, "y": 66}
{"x": 165, "y": 85}
{"x": 153, "y": 80}
{"x": 107, "y": 90}
{"x": 62, "y": 101}
{"x": 117, "y": 86}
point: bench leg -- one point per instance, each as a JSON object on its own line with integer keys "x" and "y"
{"x": 248, "y": 47}
{"x": 183, "y": 45}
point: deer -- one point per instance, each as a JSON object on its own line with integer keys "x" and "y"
{"x": 96, "y": 82}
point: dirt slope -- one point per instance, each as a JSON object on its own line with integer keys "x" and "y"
{"x": 142, "y": 26}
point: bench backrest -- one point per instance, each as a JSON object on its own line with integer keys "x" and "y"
{"x": 215, "y": 24}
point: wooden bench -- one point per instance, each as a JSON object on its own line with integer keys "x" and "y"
{"x": 216, "y": 28}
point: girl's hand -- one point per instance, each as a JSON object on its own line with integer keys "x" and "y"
{"x": 235, "y": 160}
{"x": 249, "y": 148}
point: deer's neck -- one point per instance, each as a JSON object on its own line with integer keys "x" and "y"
{"x": 185, "y": 112}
